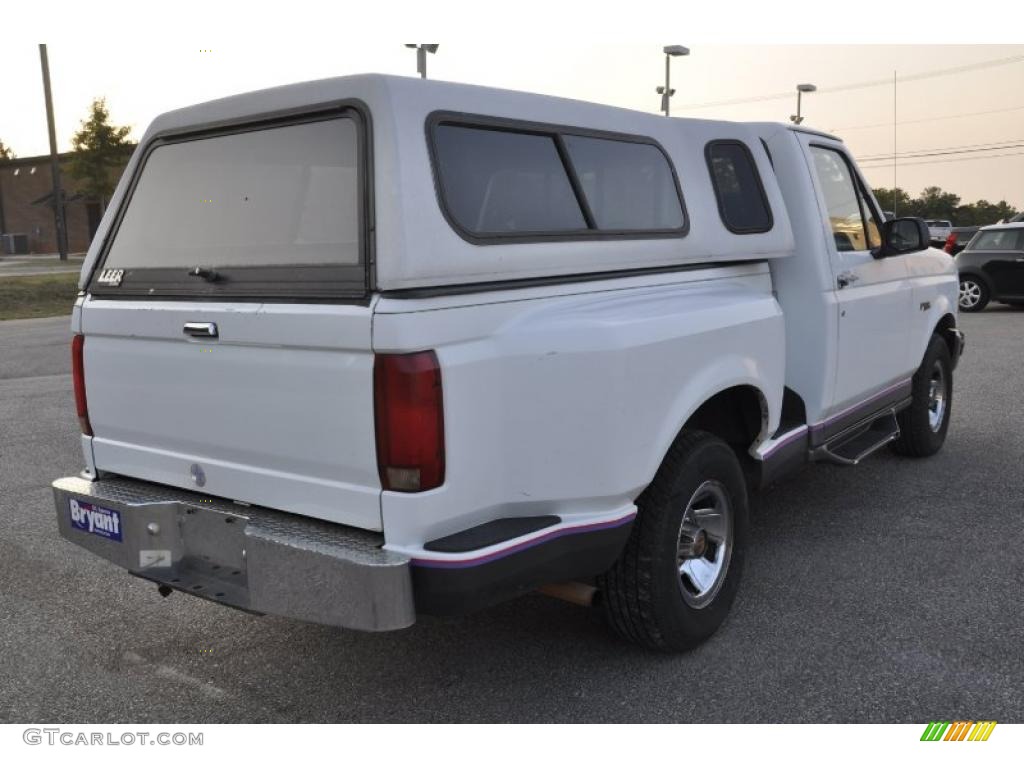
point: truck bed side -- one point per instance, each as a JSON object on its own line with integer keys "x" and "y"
{"x": 563, "y": 400}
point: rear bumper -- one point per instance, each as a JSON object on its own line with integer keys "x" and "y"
{"x": 247, "y": 557}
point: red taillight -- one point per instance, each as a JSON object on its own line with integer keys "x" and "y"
{"x": 78, "y": 377}
{"x": 950, "y": 242}
{"x": 409, "y": 420}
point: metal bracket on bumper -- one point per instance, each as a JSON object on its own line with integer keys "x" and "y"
{"x": 251, "y": 558}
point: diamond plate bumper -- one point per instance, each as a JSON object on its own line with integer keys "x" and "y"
{"x": 250, "y": 558}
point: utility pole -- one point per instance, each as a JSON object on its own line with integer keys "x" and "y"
{"x": 58, "y": 195}
{"x": 894, "y": 187}
{"x": 3, "y": 223}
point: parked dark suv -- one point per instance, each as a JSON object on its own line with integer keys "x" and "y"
{"x": 992, "y": 267}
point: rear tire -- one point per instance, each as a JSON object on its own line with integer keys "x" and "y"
{"x": 974, "y": 294}
{"x": 924, "y": 423}
{"x": 678, "y": 574}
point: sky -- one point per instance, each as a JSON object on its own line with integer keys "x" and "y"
{"x": 979, "y": 105}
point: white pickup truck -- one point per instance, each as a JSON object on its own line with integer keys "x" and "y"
{"x": 939, "y": 229}
{"x": 355, "y": 350}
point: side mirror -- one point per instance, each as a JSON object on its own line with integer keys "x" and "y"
{"x": 903, "y": 236}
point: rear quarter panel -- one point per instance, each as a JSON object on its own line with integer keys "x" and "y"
{"x": 565, "y": 400}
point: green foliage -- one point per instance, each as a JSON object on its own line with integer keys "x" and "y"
{"x": 935, "y": 203}
{"x": 5, "y": 152}
{"x": 892, "y": 199}
{"x": 100, "y": 150}
{"x": 983, "y": 212}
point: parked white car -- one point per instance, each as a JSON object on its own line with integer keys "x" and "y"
{"x": 939, "y": 230}
{"x": 358, "y": 349}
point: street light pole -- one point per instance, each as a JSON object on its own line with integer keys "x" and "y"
{"x": 668, "y": 82}
{"x": 800, "y": 91}
{"x": 58, "y": 197}
{"x": 422, "y": 49}
{"x": 666, "y": 90}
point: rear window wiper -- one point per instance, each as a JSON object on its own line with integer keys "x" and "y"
{"x": 208, "y": 274}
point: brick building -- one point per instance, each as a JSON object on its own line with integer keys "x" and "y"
{"x": 26, "y": 204}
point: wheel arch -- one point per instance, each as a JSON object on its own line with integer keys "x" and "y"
{"x": 739, "y": 412}
{"x": 738, "y": 415}
{"x": 944, "y": 330}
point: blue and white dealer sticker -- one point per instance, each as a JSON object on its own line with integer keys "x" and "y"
{"x": 95, "y": 519}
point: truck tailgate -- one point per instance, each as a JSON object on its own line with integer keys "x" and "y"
{"x": 276, "y": 410}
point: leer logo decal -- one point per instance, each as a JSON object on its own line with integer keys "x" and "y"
{"x": 960, "y": 730}
{"x": 111, "y": 277}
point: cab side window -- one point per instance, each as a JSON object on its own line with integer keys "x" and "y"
{"x": 854, "y": 224}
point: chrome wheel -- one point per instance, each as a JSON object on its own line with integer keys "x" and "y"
{"x": 937, "y": 396}
{"x": 970, "y": 294}
{"x": 705, "y": 544}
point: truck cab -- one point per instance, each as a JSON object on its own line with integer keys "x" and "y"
{"x": 360, "y": 349}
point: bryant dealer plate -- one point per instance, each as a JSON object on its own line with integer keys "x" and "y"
{"x": 95, "y": 519}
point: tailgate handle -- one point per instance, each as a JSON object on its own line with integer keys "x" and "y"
{"x": 202, "y": 330}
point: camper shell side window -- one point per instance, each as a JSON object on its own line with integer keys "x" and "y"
{"x": 501, "y": 181}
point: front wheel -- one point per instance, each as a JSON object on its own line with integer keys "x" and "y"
{"x": 678, "y": 574}
{"x": 923, "y": 424}
{"x": 974, "y": 295}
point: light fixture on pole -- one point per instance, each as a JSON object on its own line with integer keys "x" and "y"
{"x": 422, "y": 49}
{"x": 666, "y": 90}
{"x": 800, "y": 91}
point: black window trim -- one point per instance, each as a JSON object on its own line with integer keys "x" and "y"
{"x": 861, "y": 192}
{"x": 556, "y": 132}
{"x": 278, "y": 283}
{"x": 757, "y": 177}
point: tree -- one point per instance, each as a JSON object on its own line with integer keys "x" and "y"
{"x": 5, "y": 152}
{"x": 938, "y": 204}
{"x": 892, "y": 199}
{"x": 99, "y": 149}
{"x": 983, "y": 212}
{"x": 935, "y": 203}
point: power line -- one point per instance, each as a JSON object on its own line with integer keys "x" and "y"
{"x": 879, "y": 164}
{"x": 956, "y": 150}
{"x": 864, "y": 84}
{"x": 926, "y": 119}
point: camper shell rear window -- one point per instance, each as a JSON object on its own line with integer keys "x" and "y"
{"x": 502, "y": 181}
{"x": 276, "y": 209}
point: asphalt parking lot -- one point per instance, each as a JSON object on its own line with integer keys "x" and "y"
{"x": 890, "y": 592}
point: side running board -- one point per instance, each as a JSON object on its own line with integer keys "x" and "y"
{"x": 857, "y": 443}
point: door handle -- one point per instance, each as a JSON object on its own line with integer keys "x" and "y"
{"x": 844, "y": 279}
{"x": 200, "y": 330}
